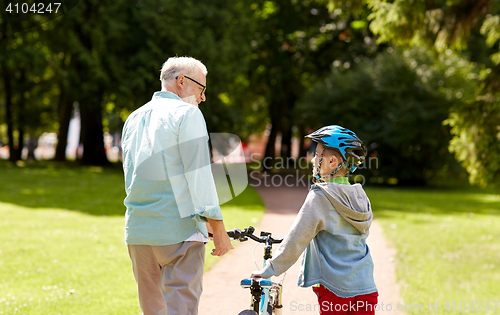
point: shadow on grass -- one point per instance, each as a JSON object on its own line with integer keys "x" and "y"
{"x": 435, "y": 201}
{"x": 96, "y": 191}
{"x": 92, "y": 190}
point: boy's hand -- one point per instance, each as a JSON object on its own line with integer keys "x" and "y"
{"x": 256, "y": 275}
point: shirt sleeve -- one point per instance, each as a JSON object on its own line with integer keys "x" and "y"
{"x": 311, "y": 219}
{"x": 195, "y": 156}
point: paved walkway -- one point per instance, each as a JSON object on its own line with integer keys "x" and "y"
{"x": 223, "y": 295}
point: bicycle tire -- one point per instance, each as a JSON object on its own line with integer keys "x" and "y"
{"x": 252, "y": 312}
{"x": 269, "y": 309}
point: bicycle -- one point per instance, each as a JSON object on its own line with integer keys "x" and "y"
{"x": 266, "y": 295}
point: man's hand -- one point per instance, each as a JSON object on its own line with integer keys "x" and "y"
{"x": 221, "y": 240}
{"x": 256, "y": 275}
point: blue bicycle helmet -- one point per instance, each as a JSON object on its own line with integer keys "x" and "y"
{"x": 347, "y": 142}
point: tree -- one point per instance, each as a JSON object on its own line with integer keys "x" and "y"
{"x": 144, "y": 34}
{"x": 452, "y": 25}
{"x": 26, "y": 82}
{"x": 396, "y": 103}
{"x": 475, "y": 125}
{"x": 294, "y": 44}
{"x": 107, "y": 55}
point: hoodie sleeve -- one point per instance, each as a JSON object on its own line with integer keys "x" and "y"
{"x": 312, "y": 218}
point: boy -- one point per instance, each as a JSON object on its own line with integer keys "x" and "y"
{"x": 332, "y": 226}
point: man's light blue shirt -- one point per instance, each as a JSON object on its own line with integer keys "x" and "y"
{"x": 168, "y": 179}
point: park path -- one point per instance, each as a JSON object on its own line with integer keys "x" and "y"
{"x": 222, "y": 294}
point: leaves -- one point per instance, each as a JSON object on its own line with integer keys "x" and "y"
{"x": 395, "y": 103}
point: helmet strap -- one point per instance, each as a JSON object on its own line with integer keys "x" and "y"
{"x": 322, "y": 179}
{"x": 317, "y": 177}
{"x": 338, "y": 169}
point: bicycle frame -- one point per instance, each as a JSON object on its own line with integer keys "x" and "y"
{"x": 263, "y": 291}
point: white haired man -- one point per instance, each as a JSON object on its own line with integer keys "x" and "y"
{"x": 171, "y": 195}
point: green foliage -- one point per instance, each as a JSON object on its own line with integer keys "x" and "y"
{"x": 26, "y": 62}
{"x": 476, "y": 141}
{"x": 101, "y": 53}
{"x": 107, "y": 56}
{"x": 354, "y": 6}
{"x": 491, "y": 29}
{"x": 444, "y": 24}
{"x": 214, "y": 32}
{"x": 396, "y": 103}
{"x": 475, "y": 125}
{"x": 461, "y": 25}
{"x": 289, "y": 57}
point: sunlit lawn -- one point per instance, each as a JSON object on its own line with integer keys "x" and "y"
{"x": 62, "y": 246}
{"x": 448, "y": 244}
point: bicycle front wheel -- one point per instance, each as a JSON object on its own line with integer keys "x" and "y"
{"x": 251, "y": 312}
{"x": 269, "y": 309}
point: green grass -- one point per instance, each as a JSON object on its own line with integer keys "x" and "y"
{"x": 448, "y": 244}
{"x": 62, "y": 245}
{"x": 62, "y": 248}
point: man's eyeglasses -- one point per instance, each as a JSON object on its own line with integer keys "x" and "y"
{"x": 204, "y": 87}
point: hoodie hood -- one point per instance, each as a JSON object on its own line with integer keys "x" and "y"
{"x": 351, "y": 202}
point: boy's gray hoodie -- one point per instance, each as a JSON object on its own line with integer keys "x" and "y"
{"x": 331, "y": 226}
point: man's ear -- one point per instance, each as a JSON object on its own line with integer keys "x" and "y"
{"x": 180, "y": 81}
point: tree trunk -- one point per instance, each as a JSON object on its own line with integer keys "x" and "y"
{"x": 8, "y": 112}
{"x": 302, "y": 149}
{"x": 65, "y": 107}
{"x": 286, "y": 142}
{"x": 20, "y": 143}
{"x": 270, "y": 152}
{"x": 92, "y": 132}
{"x": 20, "y": 119}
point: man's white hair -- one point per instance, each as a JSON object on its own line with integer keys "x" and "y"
{"x": 176, "y": 66}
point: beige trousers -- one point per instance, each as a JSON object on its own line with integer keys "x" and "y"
{"x": 169, "y": 278}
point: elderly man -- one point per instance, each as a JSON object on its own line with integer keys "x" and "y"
{"x": 171, "y": 194}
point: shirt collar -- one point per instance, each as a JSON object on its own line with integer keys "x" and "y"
{"x": 340, "y": 180}
{"x": 166, "y": 94}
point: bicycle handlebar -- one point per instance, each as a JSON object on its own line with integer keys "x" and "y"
{"x": 247, "y": 233}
